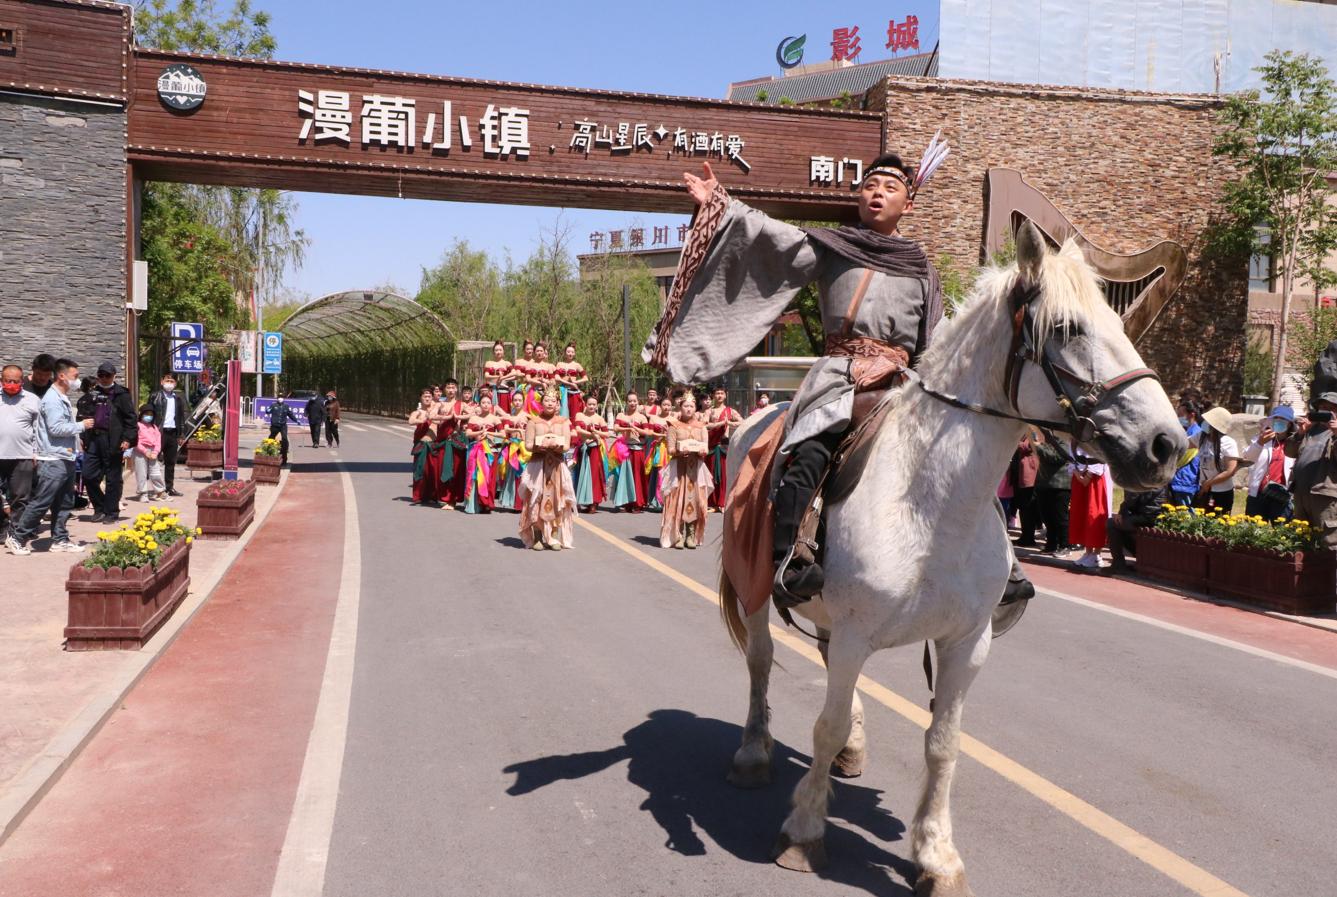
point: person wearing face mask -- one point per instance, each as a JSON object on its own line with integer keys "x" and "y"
{"x": 148, "y": 457}
{"x": 55, "y": 445}
{"x": 1184, "y": 486}
{"x": 169, "y": 414}
{"x": 114, "y": 431}
{"x": 332, "y": 414}
{"x": 1271, "y": 470}
{"x": 20, "y": 415}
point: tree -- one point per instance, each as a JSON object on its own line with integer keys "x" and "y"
{"x": 1283, "y": 142}
{"x": 464, "y": 289}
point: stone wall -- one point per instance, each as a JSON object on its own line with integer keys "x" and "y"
{"x": 1127, "y": 168}
{"x": 62, "y": 231}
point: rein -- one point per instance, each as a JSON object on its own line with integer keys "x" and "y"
{"x": 1077, "y": 407}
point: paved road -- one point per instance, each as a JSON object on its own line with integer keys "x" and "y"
{"x": 495, "y": 721}
{"x": 533, "y": 723}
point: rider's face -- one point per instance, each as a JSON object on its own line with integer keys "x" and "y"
{"x": 883, "y": 199}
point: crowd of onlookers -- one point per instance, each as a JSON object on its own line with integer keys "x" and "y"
{"x": 66, "y": 441}
{"x": 1051, "y": 486}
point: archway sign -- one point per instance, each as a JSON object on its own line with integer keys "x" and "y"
{"x": 240, "y": 122}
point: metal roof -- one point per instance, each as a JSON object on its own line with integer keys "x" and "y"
{"x": 853, "y": 79}
{"x": 359, "y": 320}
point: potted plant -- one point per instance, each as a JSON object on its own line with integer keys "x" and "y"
{"x": 226, "y": 508}
{"x": 268, "y": 462}
{"x": 1176, "y": 548}
{"x": 130, "y": 583}
{"x": 204, "y": 450}
{"x": 1280, "y": 565}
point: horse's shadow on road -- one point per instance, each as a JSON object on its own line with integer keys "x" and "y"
{"x": 680, "y": 760}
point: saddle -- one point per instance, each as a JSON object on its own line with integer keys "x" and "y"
{"x": 749, "y": 523}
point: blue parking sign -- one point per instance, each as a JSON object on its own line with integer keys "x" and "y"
{"x": 187, "y": 347}
{"x": 271, "y": 353}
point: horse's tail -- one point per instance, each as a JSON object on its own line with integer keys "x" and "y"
{"x": 731, "y": 613}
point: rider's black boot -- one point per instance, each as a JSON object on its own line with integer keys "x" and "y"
{"x": 1019, "y": 588}
{"x": 795, "y": 581}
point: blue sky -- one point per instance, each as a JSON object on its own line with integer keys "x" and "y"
{"x": 686, "y": 48}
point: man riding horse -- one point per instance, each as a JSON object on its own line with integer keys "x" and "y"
{"x": 880, "y": 300}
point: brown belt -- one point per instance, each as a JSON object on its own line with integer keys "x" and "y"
{"x": 864, "y": 347}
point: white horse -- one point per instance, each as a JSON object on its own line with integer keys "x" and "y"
{"x": 918, "y": 552}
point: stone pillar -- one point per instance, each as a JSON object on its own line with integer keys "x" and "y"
{"x": 62, "y": 230}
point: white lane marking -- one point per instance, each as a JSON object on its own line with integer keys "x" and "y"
{"x": 1193, "y": 633}
{"x": 306, "y": 846}
{"x": 355, "y": 428}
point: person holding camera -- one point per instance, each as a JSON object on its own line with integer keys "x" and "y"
{"x": 1271, "y": 469}
{"x": 1314, "y": 476}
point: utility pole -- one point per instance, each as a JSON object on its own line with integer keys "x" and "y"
{"x": 626, "y": 338}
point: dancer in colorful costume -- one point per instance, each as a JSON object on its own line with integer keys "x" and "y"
{"x": 546, "y": 489}
{"x": 571, "y": 377}
{"x": 499, "y": 373}
{"x": 426, "y": 463}
{"x": 686, "y": 480}
{"x": 593, "y": 432}
{"x": 629, "y": 487}
{"x": 449, "y": 415}
{"x": 721, "y": 421}
{"x": 484, "y": 431}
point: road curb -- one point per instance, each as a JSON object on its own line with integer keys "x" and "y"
{"x": 32, "y": 784}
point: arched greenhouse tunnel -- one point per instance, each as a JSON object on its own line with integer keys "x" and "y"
{"x": 377, "y": 348}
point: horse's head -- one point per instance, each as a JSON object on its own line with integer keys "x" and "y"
{"x": 1081, "y": 369}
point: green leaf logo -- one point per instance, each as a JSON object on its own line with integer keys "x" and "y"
{"x": 790, "y": 51}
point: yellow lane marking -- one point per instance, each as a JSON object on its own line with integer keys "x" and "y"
{"x": 1196, "y": 879}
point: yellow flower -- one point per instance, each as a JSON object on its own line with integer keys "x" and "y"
{"x": 198, "y": 531}
{"x": 152, "y": 545}
{"x": 189, "y": 539}
{"x": 159, "y": 527}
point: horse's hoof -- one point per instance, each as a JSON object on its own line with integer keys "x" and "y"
{"x": 752, "y": 775}
{"x": 848, "y": 764}
{"x": 807, "y": 857}
{"x": 956, "y": 886}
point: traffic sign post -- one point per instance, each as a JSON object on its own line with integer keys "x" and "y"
{"x": 271, "y": 355}
{"x": 187, "y": 348}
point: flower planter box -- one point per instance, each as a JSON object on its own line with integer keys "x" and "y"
{"x": 204, "y": 455}
{"x": 226, "y": 516}
{"x": 1297, "y": 583}
{"x": 1173, "y": 557}
{"x": 123, "y": 607}
{"x": 266, "y": 469}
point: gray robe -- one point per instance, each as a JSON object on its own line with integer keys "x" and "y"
{"x": 752, "y": 271}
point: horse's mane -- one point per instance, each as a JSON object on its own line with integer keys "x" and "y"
{"x": 1070, "y": 294}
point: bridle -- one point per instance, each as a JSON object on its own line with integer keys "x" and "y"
{"x": 1078, "y": 396}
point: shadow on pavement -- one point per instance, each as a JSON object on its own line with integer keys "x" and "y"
{"x": 652, "y": 541}
{"x": 511, "y": 542}
{"x": 680, "y": 760}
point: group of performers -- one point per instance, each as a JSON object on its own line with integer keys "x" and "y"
{"x": 528, "y": 440}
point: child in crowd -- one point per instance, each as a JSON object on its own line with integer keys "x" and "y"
{"x": 148, "y": 458}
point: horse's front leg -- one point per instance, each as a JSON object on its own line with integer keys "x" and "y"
{"x": 752, "y": 762}
{"x": 801, "y": 845}
{"x": 849, "y": 763}
{"x": 942, "y": 874}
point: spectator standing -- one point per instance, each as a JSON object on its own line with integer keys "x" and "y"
{"x": 315, "y": 417}
{"x": 1023, "y": 494}
{"x": 1271, "y": 471}
{"x": 1053, "y": 492}
{"x": 1090, "y": 509}
{"x": 148, "y": 457}
{"x": 170, "y": 413}
{"x": 1138, "y": 511}
{"x": 1218, "y": 457}
{"x": 113, "y": 433}
{"x": 1184, "y": 486}
{"x": 20, "y": 416}
{"x": 1314, "y": 476}
{"x": 43, "y": 372}
{"x": 57, "y": 431}
{"x": 332, "y": 415}
{"x": 280, "y": 415}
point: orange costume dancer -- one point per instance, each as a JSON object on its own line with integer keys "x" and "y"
{"x": 450, "y": 415}
{"x": 498, "y": 372}
{"x": 686, "y": 481}
{"x": 721, "y": 420}
{"x": 426, "y": 462}
{"x": 546, "y": 489}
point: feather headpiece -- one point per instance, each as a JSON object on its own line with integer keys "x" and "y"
{"x": 934, "y": 155}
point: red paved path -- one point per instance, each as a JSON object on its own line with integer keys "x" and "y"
{"x": 188, "y": 788}
{"x": 1295, "y": 640}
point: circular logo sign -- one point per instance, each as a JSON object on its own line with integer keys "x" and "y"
{"x": 180, "y": 87}
{"x": 790, "y": 51}
{"x": 271, "y": 340}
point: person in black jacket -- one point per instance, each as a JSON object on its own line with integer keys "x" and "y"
{"x": 1138, "y": 511}
{"x": 315, "y": 416}
{"x": 170, "y": 411}
{"x": 114, "y": 432}
{"x": 279, "y": 417}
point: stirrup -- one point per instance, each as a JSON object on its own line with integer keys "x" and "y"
{"x": 782, "y": 595}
